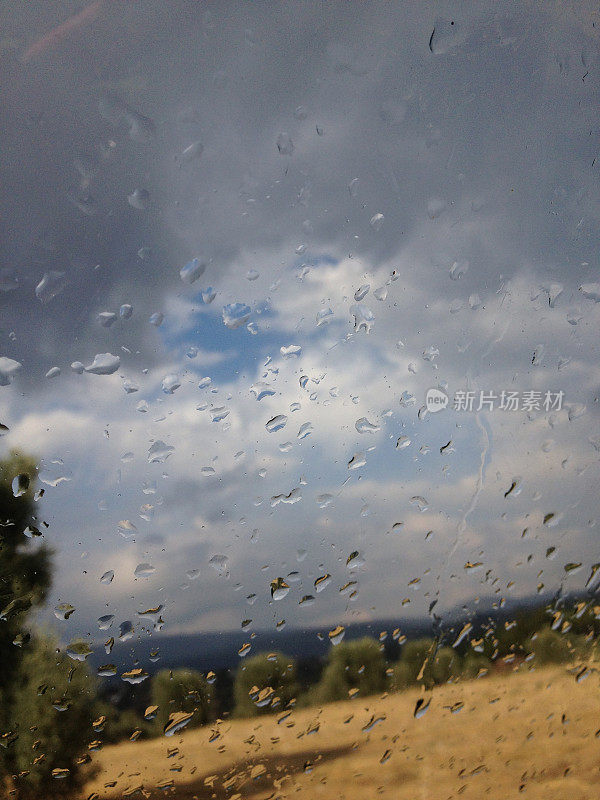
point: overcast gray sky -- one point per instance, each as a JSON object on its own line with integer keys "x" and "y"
{"x": 442, "y": 156}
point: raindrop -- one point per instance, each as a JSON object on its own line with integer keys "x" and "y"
{"x": 279, "y": 589}
{"x": 126, "y": 630}
{"x": 159, "y": 452}
{"x": 51, "y": 285}
{"x": 139, "y": 198}
{"x": 276, "y": 423}
{"x": 107, "y": 318}
{"x": 363, "y": 425}
{"x": 170, "y": 383}
{"x": 192, "y": 271}
{"x": 104, "y": 364}
{"x": 63, "y": 610}
{"x": 107, "y": 577}
{"x": 337, "y": 634}
{"x": 355, "y": 560}
{"x": 402, "y": 443}
{"x": 291, "y": 351}
{"x": 458, "y": 269}
{"x": 79, "y": 650}
{"x": 305, "y": 430}
{"x": 358, "y": 460}
{"x": 420, "y": 502}
{"x": 134, "y": 676}
{"x": 157, "y": 319}
{"x": 377, "y": 221}
{"x": 363, "y": 318}
{"x": 105, "y": 621}
{"x": 285, "y": 144}
{"x": 8, "y": 368}
{"x": 20, "y": 484}
{"x": 235, "y": 315}
{"x": 220, "y": 564}
{"x": 144, "y": 570}
{"x": 322, "y": 582}
{"x": 421, "y": 707}
{"x": 192, "y": 152}
{"x": 177, "y": 721}
{"x": 591, "y": 291}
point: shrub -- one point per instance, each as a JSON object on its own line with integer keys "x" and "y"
{"x": 353, "y": 665}
{"x": 549, "y": 647}
{"x": 264, "y": 683}
{"x": 181, "y": 690}
{"x": 52, "y": 714}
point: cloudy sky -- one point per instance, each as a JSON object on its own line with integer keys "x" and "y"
{"x": 381, "y": 199}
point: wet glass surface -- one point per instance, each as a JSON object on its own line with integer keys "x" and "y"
{"x": 299, "y": 438}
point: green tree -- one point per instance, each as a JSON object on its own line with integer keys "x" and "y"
{"x": 264, "y": 683}
{"x": 353, "y": 665}
{"x": 52, "y": 714}
{"x": 181, "y": 690}
{"x": 24, "y": 581}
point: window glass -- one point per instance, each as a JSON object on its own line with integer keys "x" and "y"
{"x": 299, "y": 399}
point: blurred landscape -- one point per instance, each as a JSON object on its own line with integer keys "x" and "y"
{"x": 534, "y": 733}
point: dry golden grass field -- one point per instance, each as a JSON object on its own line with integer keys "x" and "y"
{"x": 534, "y": 734}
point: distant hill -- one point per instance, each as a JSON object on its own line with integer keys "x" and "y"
{"x": 219, "y": 650}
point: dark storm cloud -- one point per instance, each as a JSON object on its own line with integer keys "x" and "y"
{"x": 269, "y": 138}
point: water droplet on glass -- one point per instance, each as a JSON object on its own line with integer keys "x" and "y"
{"x": 192, "y": 271}
{"x": 159, "y": 452}
{"x": 420, "y": 502}
{"x": 355, "y": 560}
{"x": 322, "y": 582}
{"x": 8, "y": 369}
{"x": 363, "y": 318}
{"x": 358, "y": 460}
{"x": 337, "y": 634}
{"x": 363, "y": 425}
{"x": 305, "y": 430}
{"x": 139, "y": 198}
{"x": 79, "y": 650}
{"x": 170, "y": 383}
{"x": 377, "y": 221}
{"x": 285, "y": 144}
{"x": 104, "y": 364}
{"x": 279, "y": 589}
{"x": 276, "y": 423}
{"x": 235, "y": 315}
{"x": 63, "y": 610}
{"x": 20, "y": 484}
{"x": 51, "y": 285}
{"x": 144, "y": 570}
{"x": 220, "y": 564}
{"x": 291, "y": 351}
{"x": 192, "y": 152}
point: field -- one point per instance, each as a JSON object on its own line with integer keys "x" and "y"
{"x": 535, "y": 733}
